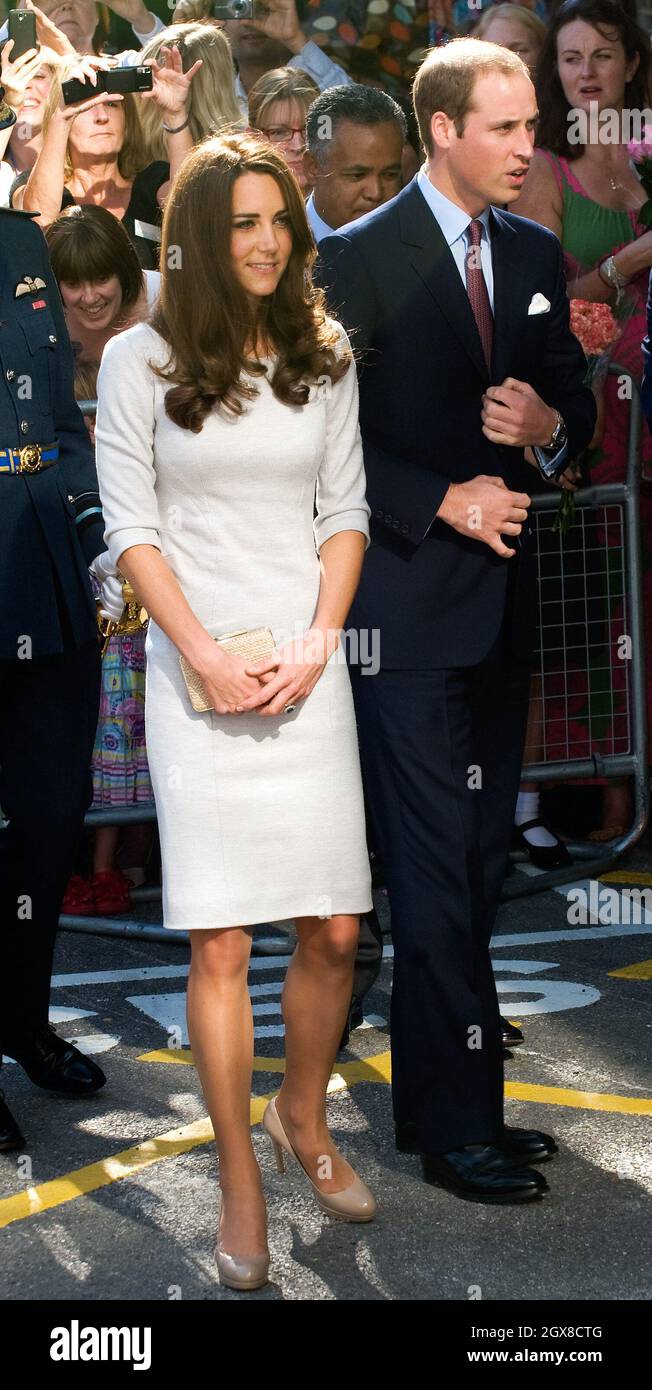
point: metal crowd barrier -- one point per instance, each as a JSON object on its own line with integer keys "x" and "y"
{"x": 603, "y": 548}
{"x": 603, "y": 542}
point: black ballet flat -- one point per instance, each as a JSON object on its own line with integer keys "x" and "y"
{"x": 544, "y": 856}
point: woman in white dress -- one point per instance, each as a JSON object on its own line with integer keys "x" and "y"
{"x": 230, "y": 465}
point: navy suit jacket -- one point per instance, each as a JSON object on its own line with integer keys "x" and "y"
{"x": 437, "y": 597}
{"x": 45, "y": 538}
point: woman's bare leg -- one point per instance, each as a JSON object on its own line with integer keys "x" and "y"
{"x": 220, "y": 1027}
{"x": 316, "y": 999}
{"x": 106, "y": 841}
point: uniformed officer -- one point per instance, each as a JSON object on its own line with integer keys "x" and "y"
{"x": 51, "y": 529}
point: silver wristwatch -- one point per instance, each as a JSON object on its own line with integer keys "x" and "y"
{"x": 558, "y": 436}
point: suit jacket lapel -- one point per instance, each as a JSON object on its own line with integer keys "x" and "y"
{"x": 433, "y": 262}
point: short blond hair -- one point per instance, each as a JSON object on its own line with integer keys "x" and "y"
{"x": 288, "y": 85}
{"x": 213, "y": 104}
{"x": 518, "y": 13}
{"x": 447, "y": 77}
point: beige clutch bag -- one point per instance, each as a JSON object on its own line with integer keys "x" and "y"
{"x": 251, "y": 643}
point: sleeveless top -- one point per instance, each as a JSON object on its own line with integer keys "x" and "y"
{"x": 142, "y": 219}
{"x": 590, "y": 231}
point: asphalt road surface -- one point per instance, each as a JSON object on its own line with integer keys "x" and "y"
{"x": 116, "y": 1195}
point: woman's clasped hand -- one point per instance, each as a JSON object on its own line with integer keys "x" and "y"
{"x": 268, "y": 686}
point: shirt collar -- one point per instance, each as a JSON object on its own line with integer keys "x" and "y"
{"x": 452, "y": 219}
{"x": 319, "y": 228}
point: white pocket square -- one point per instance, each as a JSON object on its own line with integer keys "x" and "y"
{"x": 539, "y": 304}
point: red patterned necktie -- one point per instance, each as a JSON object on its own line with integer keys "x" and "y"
{"x": 476, "y": 286}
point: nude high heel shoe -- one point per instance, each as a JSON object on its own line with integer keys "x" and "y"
{"x": 238, "y": 1273}
{"x": 355, "y": 1203}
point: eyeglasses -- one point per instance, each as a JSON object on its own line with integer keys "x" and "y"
{"x": 282, "y": 134}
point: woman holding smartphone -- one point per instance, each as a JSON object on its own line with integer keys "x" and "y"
{"x": 230, "y": 464}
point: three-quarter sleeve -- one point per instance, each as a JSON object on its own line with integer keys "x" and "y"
{"x": 124, "y": 442}
{"x": 340, "y": 499}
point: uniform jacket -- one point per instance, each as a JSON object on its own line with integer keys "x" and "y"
{"x": 51, "y": 526}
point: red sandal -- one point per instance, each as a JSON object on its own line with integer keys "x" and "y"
{"x": 78, "y": 899}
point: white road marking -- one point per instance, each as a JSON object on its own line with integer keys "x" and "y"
{"x": 169, "y": 1011}
{"x": 554, "y": 995}
{"x": 257, "y": 965}
{"x": 89, "y": 1043}
{"x": 538, "y": 938}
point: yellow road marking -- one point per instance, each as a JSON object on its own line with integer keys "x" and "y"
{"x": 124, "y": 1164}
{"x": 361, "y": 1069}
{"x": 376, "y": 1069}
{"x": 579, "y": 1100}
{"x": 642, "y": 970}
{"x": 632, "y": 876}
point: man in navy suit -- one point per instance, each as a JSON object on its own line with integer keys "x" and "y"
{"x": 460, "y": 315}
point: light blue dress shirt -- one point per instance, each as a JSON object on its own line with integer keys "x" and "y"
{"x": 318, "y": 227}
{"x": 454, "y": 222}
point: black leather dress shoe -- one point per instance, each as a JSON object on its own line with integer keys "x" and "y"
{"x": 528, "y": 1145}
{"x": 10, "y": 1135}
{"x": 520, "y": 1145}
{"x": 512, "y": 1036}
{"x": 55, "y": 1064}
{"x": 483, "y": 1173}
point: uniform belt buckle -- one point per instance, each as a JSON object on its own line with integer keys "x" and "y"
{"x": 30, "y": 458}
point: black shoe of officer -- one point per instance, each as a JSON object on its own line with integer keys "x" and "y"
{"x": 512, "y": 1036}
{"x": 354, "y": 1020}
{"x": 483, "y": 1173}
{"x": 55, "y": 1064}
{"x": 10, "y": 1135}
{"x": 519, "y": 1145}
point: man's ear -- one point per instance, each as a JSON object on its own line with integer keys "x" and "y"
{"x": 310, "y": 167}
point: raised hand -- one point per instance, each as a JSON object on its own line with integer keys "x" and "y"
{"x": 86, "y": 69}
{"x": 279, "y": 20}
{"x": 49, "y": 36}
{"x": 15, "y": 76}
{"x": 171, "y": 85}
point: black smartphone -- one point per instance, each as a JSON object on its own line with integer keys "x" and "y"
{"x": 21, "y": 26}
{"x": 112, "y": 81}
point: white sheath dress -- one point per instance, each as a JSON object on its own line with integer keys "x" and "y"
{"x": 260, "y": 819}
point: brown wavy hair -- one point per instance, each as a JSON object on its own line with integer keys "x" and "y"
{"x": 203, "y": 312}
{"x": 611, "y": 21}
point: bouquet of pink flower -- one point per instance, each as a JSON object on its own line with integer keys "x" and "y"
{"x": 641, "y": 154}
{"x": 598, "y": 330}
{"x": 594, "y": 325}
